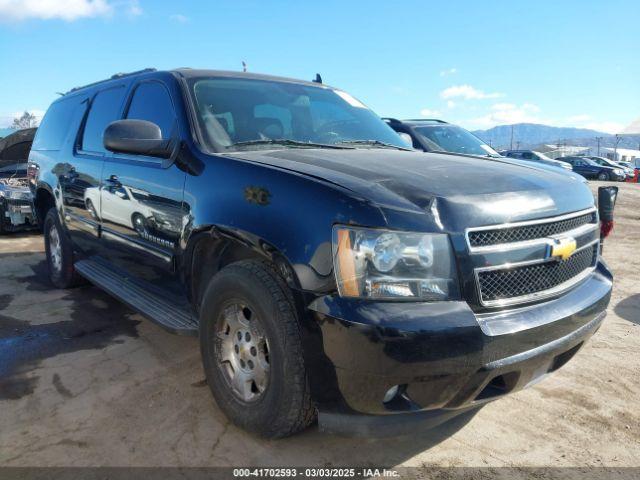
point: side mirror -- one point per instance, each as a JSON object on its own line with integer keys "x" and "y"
{"x": 406, "y": 138}
{"x": 137, "y": 137}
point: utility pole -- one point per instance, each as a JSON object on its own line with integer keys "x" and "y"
{"x": 511, "y": 147}
{"x": 615, "y": 148}
{"x": 518, "y": 145}
{"x": 598, "y": 140}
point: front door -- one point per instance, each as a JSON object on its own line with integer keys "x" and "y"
{"x": 80, "y": 179}
{"x": 141, "y": 199}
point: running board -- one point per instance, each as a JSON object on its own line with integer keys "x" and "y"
{"x": 153, "y": 306}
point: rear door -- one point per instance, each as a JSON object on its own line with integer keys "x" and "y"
{"x": 81, "y": 178}
{"x": 141, "y": 199}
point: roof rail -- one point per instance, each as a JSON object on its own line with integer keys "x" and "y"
{"x": 113, "y": 77}
{"x": 425, "y": 120}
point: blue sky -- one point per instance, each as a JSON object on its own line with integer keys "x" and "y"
{"x": 477, "y": 63}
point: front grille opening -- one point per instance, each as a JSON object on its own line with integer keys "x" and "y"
{"x": 497, "y": 236}
{"x": 516, "y": 282}
{"x": 500, "y": 385}
{"x": 563, "y": 358}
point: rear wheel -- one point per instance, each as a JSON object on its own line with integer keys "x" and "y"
{"x": 252, "y": 351}
{"x": 59, "y": 253}
{"x": 603, "y": 176}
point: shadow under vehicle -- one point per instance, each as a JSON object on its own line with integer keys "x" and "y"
{"x": 328, "y": 271}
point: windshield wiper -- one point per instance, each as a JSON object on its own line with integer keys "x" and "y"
{"x": 287, "y": 143}
{"x": 373, "y": 143}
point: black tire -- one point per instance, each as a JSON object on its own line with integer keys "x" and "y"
{"x": 61, "y": 272}
{"x": 604, "y": 176}
{"x": 285, "y": 406}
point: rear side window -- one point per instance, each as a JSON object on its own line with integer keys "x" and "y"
{"x": 151, "y": 101}
{"x": 55, "y": 125}
{"x": 105, "y": 109}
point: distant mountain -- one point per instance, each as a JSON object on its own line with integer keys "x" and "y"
{"x": 530, "y": 135}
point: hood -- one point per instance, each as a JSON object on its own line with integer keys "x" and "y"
{"x": 465, "y": 191}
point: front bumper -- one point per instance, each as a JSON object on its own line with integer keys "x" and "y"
{"x": 17, "y": 214}
{"x": 445, "y": 358}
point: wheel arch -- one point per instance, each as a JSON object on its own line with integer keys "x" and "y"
{"x": 44, "y": 200}
{"x": 211, "y": 249}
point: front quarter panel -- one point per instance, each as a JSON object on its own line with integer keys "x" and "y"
{"x": 274, "y": 210}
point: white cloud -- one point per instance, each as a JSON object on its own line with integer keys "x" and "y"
{"x": 586, "y": 121}
{"x": 449, "y": 71}
{"x": 178, "y": 17}
{"x": 451, "y": 104}
{"x": 578, "y": 119}
{"x": 425, "y": 112}
{"x": 503, "y": 106}
{"x": 467, "y": 92}
{"x": 607, "y": 127}
{"x": 509, "y": 113}
{"x": 68, "y": 10}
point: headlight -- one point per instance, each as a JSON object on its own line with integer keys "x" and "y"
{"x": 15, "y": 194}
{"x": 374, "y": 263}
{"x": 618, "y": 172}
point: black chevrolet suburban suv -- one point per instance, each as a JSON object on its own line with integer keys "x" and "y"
{"x": 329, "y": 272}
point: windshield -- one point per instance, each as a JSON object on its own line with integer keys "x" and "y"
{"x": 241, "y": 114}
{"x": 542, "y": 156}
{"x": 451, "y": 138}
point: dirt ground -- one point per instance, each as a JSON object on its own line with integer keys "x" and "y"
{"x": 86, "y": 382}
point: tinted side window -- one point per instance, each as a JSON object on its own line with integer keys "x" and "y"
{"x": 151, "y": 102}
{"x": 55, "y": 124}
{"x": 105, "y": 108}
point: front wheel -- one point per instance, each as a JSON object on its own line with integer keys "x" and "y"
{"x": 603, "y": 176}
{"x": 59, "y": 253}
{"x": 252, "y": 351}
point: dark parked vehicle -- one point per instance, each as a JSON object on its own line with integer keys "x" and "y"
{"x": 430, "y": 135}
{"x": 326, "y": 269}
{"x": 605, "y": 162}
{"x": 590, "y": 169}
{"x": 536, "y": 157}
{"x": 16, "y": 200}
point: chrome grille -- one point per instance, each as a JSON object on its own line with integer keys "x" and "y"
{"x": 520, "y": 282}
{"x": 497, "y": 236}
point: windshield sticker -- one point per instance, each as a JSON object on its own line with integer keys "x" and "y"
{"x": 349, "y": 99}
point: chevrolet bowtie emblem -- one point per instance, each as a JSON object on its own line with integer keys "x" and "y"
{"x": 563, "y": 248}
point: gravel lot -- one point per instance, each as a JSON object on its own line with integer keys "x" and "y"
{"x": 86, "y": 382}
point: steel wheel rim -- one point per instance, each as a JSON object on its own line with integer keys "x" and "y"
{"x": 55, "y": 248}
{"x": 243, "y": 351}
